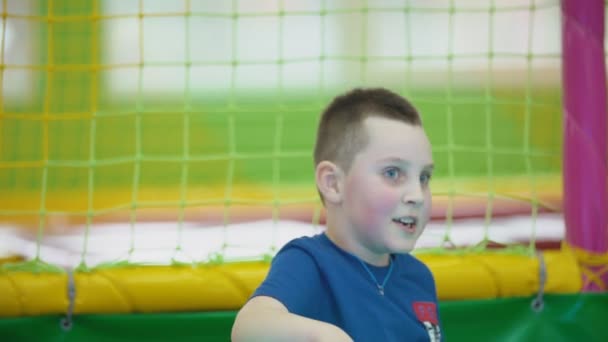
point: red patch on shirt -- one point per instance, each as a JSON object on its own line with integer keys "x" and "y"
{"x": 426, "y": 312}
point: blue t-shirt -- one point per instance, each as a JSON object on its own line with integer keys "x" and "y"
{"x": 314, "y": 278}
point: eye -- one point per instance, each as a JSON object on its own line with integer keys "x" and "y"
{"x": 425, "y": 178}
{"x": 392, "y": 173}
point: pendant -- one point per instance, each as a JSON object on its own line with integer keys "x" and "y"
{"x": 381, "y": 290}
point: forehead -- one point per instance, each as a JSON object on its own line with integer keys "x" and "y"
{"x": 388, "y": 138}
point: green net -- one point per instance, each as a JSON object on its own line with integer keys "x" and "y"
{"x": 205, "y": 111}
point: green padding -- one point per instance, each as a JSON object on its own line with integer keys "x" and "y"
{"x": 581, "y": 317}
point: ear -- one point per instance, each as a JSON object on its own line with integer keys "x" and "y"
{"x": 329, "y": 177}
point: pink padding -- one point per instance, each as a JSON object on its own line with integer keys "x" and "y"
{"x": 585, "y": 146}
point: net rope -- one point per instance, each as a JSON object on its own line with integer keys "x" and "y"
{"x": 69, "y": 74}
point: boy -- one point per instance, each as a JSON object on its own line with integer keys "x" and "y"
{"x": 357, "y": 280}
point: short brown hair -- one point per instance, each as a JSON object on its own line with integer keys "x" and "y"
{"x": 340, "y": 135}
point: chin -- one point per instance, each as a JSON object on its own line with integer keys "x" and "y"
{"x": 401, "y": 248}
{"x": 404, "y": 251}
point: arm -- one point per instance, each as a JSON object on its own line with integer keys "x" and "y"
{"x": 266, "y": 319}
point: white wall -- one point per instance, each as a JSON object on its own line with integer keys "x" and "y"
{"x": 386, "y": 37}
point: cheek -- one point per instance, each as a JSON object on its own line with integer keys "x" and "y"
{"x": 376, "y": 205}
{"x": 428, "y": 204}
{"x": 369, "y": 200}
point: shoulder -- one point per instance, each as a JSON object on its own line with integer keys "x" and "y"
{"x": 416, "y": 269}
{"x": 294, "y": 277}
{"x": 311, "y": 247}
{"x": 416, "y": 276}
{"x": 306, "y": 242}
{"x": 299, "y": 254}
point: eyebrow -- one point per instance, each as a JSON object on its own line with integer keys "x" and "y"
{"x": 406, "y": 162}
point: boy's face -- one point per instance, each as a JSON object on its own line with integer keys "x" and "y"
{"x": 387, "y": 199}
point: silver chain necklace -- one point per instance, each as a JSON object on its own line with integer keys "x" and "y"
{"x": 388, "y": 275}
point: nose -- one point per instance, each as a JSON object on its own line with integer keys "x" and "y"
{"x": 413, "y": 195}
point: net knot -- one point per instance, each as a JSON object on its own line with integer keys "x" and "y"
{"x": 593, "y": 265}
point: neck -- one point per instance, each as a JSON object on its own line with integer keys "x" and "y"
{"x": 346, "y": 242}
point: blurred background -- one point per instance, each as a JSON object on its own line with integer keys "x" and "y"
{"x": 181, "y": 133}
{"x": 205, "y": 111}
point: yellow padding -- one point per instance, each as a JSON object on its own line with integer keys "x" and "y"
{"x": 227, "y": 287}
{"x": 10, "y": 259}
{"x": 593, "y": 265}
{"x": 495, "y": 275}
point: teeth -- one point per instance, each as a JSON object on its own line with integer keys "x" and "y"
{"x": 406, "y": 220}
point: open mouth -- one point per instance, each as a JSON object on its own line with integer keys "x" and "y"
{"x": 407, "y": 222}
